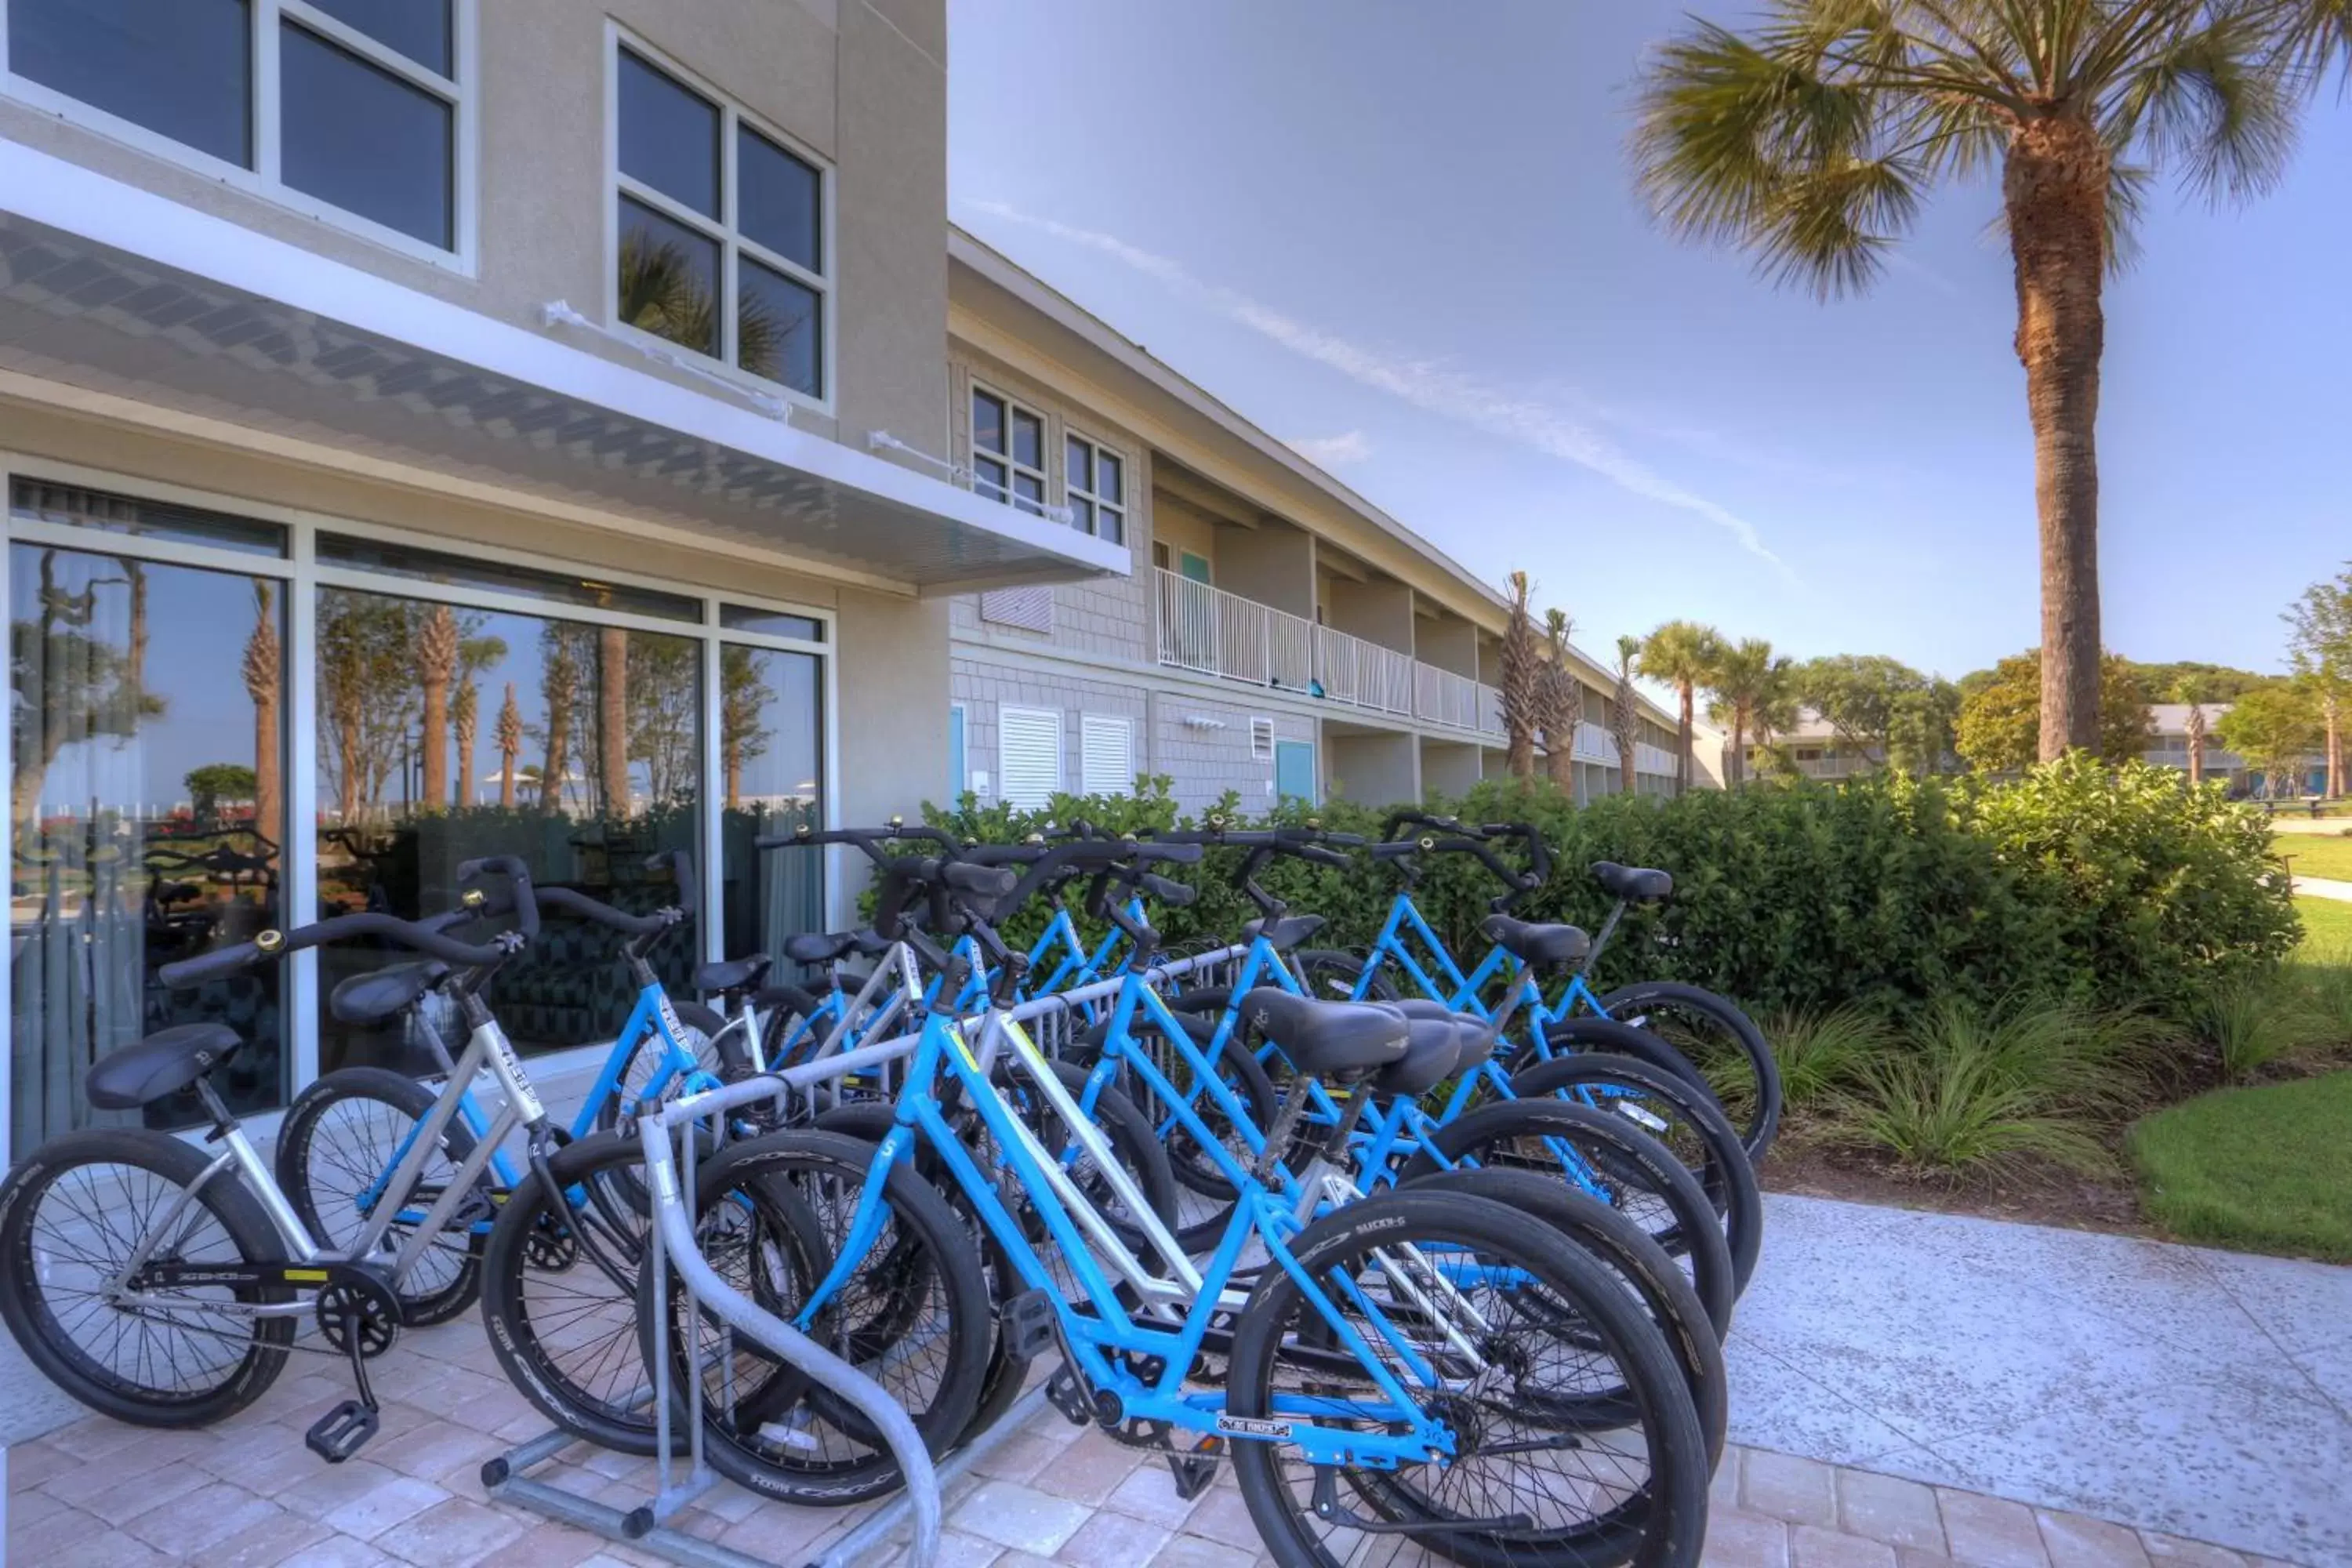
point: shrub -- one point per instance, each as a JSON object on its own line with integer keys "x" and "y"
{"x": 2111, "y": 891}
{"x": 1823, "y": 1052}
{"x": 2258, "y": 1019}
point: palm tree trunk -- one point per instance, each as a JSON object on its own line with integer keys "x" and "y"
{"x": 1737, "y": 764}
{"x": 2055, "y": 189}
{"x": 613, "y": 718}
{"x": 1683, "y": 760}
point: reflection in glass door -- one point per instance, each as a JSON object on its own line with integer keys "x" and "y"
{"x": 146, "y": 738}
{"x": 771, "y": 759}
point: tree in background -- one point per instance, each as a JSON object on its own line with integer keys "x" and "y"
{"x": 368, "y": 692}
{"x": 562, "y": 677}
{"x": 437, "y": 666}
{"x": 475, "y": 655}
{"x": 1625, "y": 712}
{"x": 743, "y": 697}
{"x": 508, "y": 733}
{"x": 2193, "y": 688}
{"x": 1562, "y": 700}
{"x": 1680, "y": 654}
{"x": 613, "y": 719}
{"x": 264, "y": 672}
{"x": 2320, "y": 647}
{"x": 2220, "y": 682}
{"x": 1520, "y": 674}
{"x": 1998, "y": 728}
{"x": 1920, "y": 730}
{"x": 214, "y": 783}
{"x": 1814, "y": 138}
{"x": 2273, "y": 728}
{"x": 1858, "y": 696}
{"x": 1744, "y": 678}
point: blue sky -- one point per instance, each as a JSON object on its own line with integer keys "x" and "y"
{"x": 1405, "y": 236}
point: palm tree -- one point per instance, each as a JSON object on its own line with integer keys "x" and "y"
{"x": 1522, "y": 713}
{"x": 508, "y": 735}
{"x": 474, "y": 655}
{"x": 1562, "y": 703}
{"x": 262, "y": 670}
{"x": 1680, "y": 653}
{"x": 1624, "y": 713}
{"x": 437, "y": 666}
{"x": 1813, "y": 139}
{"x": 560, "y": 682}
{"x": 2191, "y": 691}
{"x": 613, "y": 718}
{"x": 1744, "y": 679}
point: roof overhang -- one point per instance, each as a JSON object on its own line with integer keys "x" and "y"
{"x": 114, "y": 289}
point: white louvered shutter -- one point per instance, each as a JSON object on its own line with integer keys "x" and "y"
{"x": 1105, "y": 755}
{"x": 1029, "y": 753}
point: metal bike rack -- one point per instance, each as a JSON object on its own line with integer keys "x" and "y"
{"x": 646, "y": 1527}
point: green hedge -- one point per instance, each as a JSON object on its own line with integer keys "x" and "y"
{"x": 2116, "y": 888}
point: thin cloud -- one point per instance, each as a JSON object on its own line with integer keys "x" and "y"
{"x": 1425, "y": 385}
{"x": 1333, "y": 451}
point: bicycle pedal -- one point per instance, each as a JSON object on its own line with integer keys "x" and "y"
{"x": 1065, "y": 1394}
{"x": 1197, "y": 1470}
{"x": 1029, "y": 1325}
{"x": 343, "y": 1431}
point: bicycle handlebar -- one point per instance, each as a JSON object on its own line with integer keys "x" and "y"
{"x": 868, "y": 841}
{"x": 519, "y": 888}
{"x": 412, "y": 934}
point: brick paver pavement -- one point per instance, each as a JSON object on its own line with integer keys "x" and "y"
{"x": 249, "y": 1495}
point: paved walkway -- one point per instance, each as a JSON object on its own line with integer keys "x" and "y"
{"x": 2324, "y": 887}
{"x": 1960, "y": 1391}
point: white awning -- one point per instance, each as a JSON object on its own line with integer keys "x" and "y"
{"x": 115, "y": 289}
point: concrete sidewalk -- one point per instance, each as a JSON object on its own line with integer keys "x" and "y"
{"x": 2178, "y": 1389}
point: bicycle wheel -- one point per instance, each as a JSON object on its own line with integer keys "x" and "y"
{"x": 1591, "y": 1032}
{"x": 339, "y": 1143}
{"x": 71, "y": 1217}
{"x": 914, "y": 1315}
{"x": 559, "y": 1292}
{"x": 1720, "y": 1041}
{"x": 1687, "y": 1121}
{"x": 1641, "y": 1264}
{"x": 1523, "y": 1328}
{"x": 1331, "y": 975}
{"x": 1207, "y": 1193}
{"x": 1604, "y": 1156}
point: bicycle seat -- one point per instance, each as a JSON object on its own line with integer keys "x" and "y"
{"x": 163, "y": 1064}
{"x": 386, "y": 993}
{"x": 1431, "y": 1049}
{"x": 1287, "y": 932}
{"x": 1477, "y": 1035}
{"x": 825, "y": 947}
{"x": 1636, "y": 884}
{"x": 1538, "y": 946}
{"x": 1326, "y": 1039}
{"x": 732, "y": 974}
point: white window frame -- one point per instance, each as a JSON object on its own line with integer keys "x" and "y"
{"x": 1004, "y": 772}
{"x": 1099, "y": 502}
{"x": 731, "y": 244}
{"x": 1013, "y": 466}
{"x": 462, "y": 95}
{"x": 302, "y": 573}
{"x": 1103, "y": 725}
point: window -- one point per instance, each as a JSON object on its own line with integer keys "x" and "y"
{"x": 1029, "y": 754}
{"x": 1261, "y": 740}
{"x": 1195, "y": 568}
{"x": 352, "y": 104}
{"x": 1008, "y": 451}
{"x": 1096, "y": 480}
{"x": 1160, "y": 556}
{"x": 453, "y": 571}
{"x": 1105, "y": 755}
{"x": 771, "y": 622}
{"x": 720, "y": 231}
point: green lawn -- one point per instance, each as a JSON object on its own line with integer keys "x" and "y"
{"x": 2326, "y": 928}
{"x": 2266, "y": 1170}
{"x": 2315, "y": 853}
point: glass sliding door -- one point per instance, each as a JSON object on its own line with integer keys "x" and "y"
{"x": 147, "y": 746}
{"x": 771, "y": 760}
{"x": 445, "y": 734}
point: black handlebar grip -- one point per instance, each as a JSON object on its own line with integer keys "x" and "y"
{"x": 1315, "y": 854}
{"x": 186, "y": 972}
{"x": 1175, "y": 895}
{"x": 1167, "y": 854}
{"x": 980, "y": 882}
{"x": 517, "y": 876}
{"x": 680, "y": 863}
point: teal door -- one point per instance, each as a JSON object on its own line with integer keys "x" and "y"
{"x": 1294, "y": 771}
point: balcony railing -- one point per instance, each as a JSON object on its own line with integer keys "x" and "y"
{"x": 1215, "y": 633}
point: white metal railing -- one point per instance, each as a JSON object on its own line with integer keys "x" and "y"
{"x": 1363, "y": 673}
{"x": 1442, "y": 696}
{"x": 1215, "y": 632}
{"x": 1490, "y": 713}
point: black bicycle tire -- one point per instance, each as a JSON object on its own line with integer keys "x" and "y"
{"x": 1727, "y": 1179}
{"x": 1673, "y": 1305}
{"x": 1664, "y": 1528}
{"x": 411, "y": 1099}
{"x": 1700, "y": 1238}
{"x": 241, "y": 1217}
{"x": 1765, "y": 1125}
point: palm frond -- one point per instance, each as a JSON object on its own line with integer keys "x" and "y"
{"x": 2217, "y": 101}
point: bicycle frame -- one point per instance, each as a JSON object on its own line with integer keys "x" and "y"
{"x": 1184, "y": 1300}
{"x": 487, "y": 1047}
